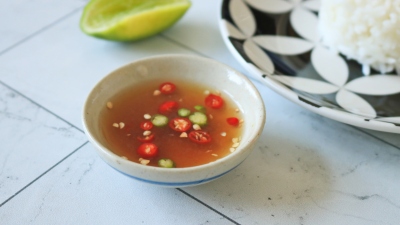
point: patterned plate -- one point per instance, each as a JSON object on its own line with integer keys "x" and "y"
{"x": 277, "y": 42}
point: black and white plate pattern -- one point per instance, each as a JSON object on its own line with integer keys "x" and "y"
{"x": 277, "y": 42}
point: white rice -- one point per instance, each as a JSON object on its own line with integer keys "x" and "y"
{"x": 364, "y": 30}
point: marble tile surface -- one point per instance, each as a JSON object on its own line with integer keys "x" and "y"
{"x": 392, "y": 139}
{"x": 305, "y": 169}
{"x": 85, "y": 190}
{"x": 32, "y": 141}
{"x": 21, "y": 19}
{"x": 203, "y": 35}
{"x": 309, "y": 170}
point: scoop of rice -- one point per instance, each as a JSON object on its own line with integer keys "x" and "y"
{"x": 364, "y": 30}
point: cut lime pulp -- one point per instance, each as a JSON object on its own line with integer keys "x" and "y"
{"x": 130, "y": 20}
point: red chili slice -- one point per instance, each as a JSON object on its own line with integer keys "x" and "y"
{"x": 233, "y": 121}
{"x": 146, "y": 125}
{"x": 168, "y": 106}
{"x": 147, "y": 150}
{"x": 167, "y": 88}
{"x": 146, "y": 139}
{"x": 200, "y": 137}
{"x": 180, "y": 124}
{"x": 214, "y": 101}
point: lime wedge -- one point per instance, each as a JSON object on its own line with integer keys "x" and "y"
{"x": 130, "y": 20}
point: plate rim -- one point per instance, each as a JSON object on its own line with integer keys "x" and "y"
{"x": 334, "y": 114}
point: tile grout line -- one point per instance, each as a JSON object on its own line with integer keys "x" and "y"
{"x": 182, "y": 45}
{"x": 44, "y": 173}
{"x": 37, "y": 104}
{"x": 378, "y": 138}
{"x": 26, "y": 39}
{"x": 40, "y": 30}
{"x": 204, "y": 204}
{"x": 202, "y": 54}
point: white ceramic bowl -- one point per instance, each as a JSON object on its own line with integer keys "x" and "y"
{"x": 200, "y": 70}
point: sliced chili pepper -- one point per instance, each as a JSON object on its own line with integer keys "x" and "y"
{"x": 233, "y": 121}
{"x": 168, "y": 106}
{"x": 167, "y": 88}
{"x": 147, "y": 125}
{"x": 147, "y": 150}
{"x": 200, "y": 137}
{"x": 180, "y": 124}
{"x": 214, "y": 101}
{"x": 146, "y": 139}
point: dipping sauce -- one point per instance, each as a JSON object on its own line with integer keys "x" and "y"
{"x": 171, "y": 124}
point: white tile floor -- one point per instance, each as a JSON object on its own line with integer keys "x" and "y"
{"x": 21, "y": 19}
{"x": 33, "y": 140}
{"x": 305, "y": 169}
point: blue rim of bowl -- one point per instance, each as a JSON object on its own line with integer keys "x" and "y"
{"x": 178, "y": 184}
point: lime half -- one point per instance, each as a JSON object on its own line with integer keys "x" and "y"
{"x": 130, "y": 20}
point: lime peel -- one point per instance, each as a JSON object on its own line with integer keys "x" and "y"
{"x": 130, "y": 20}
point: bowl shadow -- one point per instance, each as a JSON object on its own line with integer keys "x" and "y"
{"x": 276, "y": 175}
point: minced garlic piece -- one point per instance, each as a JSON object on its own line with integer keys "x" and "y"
{"x": 146, "y": 133}
{"x": 147, "y": 116}
{"x": 115, "y": 125}
{"x": 211, "y": 116}
{"x": 206, "y": 92}
{"x": 235, "y": 145}
{"x": 156, "y": 92}
{"x": 183, "y": 135}
{"x": 223, "y": 134}
{"x": 196, "y": 127}
{"x": 121, "y": 125}
{"x": 144, "y": 161}
{"x": 235, "y": 140}
{"x": 214, "y": 155}
{"x": 232, "y": 149}
{"x": 109, "y": 105}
